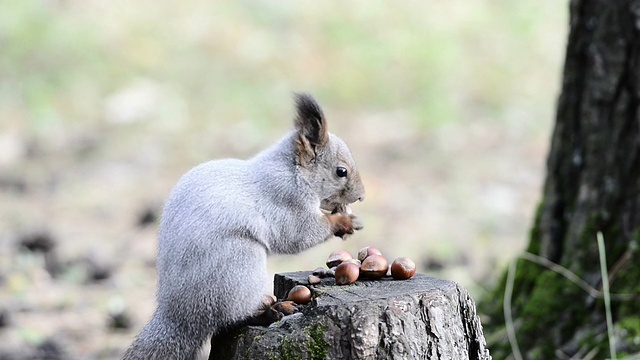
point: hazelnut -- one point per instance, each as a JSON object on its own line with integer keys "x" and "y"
{"x": 314, "y": 280}
{"x": 299, "y": 294}
{"x": 347, "y": 273}
{"x": 403, "y": 268}
{"x": 338, "y": 257}
{"x": 374, "y": 267}
{"x": 368, "y": 251}
{"x": 268, "y": 301}
{"x": 354, "y": 261}
{"x": 332, "y": 272}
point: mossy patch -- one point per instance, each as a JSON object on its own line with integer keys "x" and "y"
{"x": 256, "y": 339}
{"x": 312, "y": 346}
{"x": 630, "y": 332}
{"x": 550, "y": 311}
{"x": 291, "y": 350}
{"x": 318, "y": 346}
{"x": 534, "y": 233}
{"x": 627, "y": 281}
{"x": 554, "y": 307}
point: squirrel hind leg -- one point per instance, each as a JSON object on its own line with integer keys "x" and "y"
{"x": 272, "y": 314}
{"x": 158, "y": 340}
{"x": 226, "y": 334}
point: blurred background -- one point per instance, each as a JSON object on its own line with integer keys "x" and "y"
{"x": 447, "y": 106}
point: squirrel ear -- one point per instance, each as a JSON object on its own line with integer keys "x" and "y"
{"x": 311, "y": 126}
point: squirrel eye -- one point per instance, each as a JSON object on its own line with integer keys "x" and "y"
{"x": 341, "y": 171}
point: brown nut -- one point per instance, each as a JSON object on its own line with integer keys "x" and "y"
{"x": 374, "y": 267}
{"x": 338, "y": 257}
{"x": 299, "y": 294}
{"x": 353, "y": 261}
{"x": 403, "y": 268}
{"x": 368, "y": 251}
{"x": 332, "y": 272}
{"x": 268, "y": 301}
{"x": 314, "y": 280}
{"x": 347, "y": 273}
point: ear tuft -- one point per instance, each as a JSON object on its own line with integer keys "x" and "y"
{"x": 307, "y": 107}
{"x": 311, "y": 126}
{"x": 310, "y": 120}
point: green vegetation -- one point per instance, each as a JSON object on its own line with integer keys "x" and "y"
{"x": 317, "y": 344}
{"x": 630, "y": 331}
{"x": 314, "y": 345}
{"x": 290, "y": 350}
{"x": 555, "y": 305}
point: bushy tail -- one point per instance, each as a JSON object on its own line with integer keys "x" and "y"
{"x": 163, "y": 340}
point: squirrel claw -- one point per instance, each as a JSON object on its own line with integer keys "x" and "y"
{"x": 285, "y": 307}
{"x": 264, "y": 317}
{"x": 356, "y": 223}
{"x": 343, "y": 225}
{"x": 273, "y": 315}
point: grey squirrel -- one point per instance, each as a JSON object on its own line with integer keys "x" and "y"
{"x": 224, "y": 217}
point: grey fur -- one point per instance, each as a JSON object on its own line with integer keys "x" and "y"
{"x": 224, "y": 217}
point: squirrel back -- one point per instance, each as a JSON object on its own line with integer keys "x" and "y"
{"x": 224, "y": 217}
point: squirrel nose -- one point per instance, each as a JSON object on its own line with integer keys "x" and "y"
{"x": 361, "y": 194}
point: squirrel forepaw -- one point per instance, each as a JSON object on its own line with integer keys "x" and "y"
{"x": 356, "y": 223}
{"x": 273, "y": 313}
{"x": 343, "y": 225}
{"x": 285, "y": 308}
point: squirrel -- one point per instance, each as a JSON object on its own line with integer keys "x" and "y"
{"x": 224, "y": 217}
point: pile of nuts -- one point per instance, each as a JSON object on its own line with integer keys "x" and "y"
{"x": 370, "y": 265}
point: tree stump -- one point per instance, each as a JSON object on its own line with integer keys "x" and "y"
{"x": 419, "y": 318}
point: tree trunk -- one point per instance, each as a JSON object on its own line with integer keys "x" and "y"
{"x": 419, "y": 318}
{"x": 592, "y": 185}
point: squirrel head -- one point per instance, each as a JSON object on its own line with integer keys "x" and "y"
{"x": 323, "y": 158}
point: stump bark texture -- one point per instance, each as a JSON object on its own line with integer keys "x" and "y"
{"x": 419, "y": 318}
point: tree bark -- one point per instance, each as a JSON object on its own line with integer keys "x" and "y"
{"x": 419, "y": 318}
{"x": 592, "y": 185}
